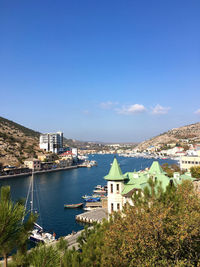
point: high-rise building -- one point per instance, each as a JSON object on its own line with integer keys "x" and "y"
{"x": 52, "y": 142}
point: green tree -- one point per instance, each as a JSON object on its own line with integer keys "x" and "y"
{"x": 167, "y": 169}
{"x": 92, "y": 238}
{"x": 71, "y": 258}
{"x": 195, "y": 171}
{"x": 13, "y": 232}
{"x": 159, "y": 230}
{"x": 43, "y": 256}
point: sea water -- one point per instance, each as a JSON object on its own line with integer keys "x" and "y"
{"x": 53, "y": 190}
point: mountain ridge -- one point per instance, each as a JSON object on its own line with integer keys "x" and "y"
{"x": 189, "y": 132}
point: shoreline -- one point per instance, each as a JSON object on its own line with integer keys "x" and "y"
{"x": 40, "y": 172}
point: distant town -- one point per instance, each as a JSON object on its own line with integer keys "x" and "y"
{"x": 55, "y": 155}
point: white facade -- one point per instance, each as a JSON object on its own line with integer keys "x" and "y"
{"x": 187, "y": 162}
{"x": 52, "y": 142}
{"x": 75, "y": 152}
{"x": 33, "y": 164}
{"x": 115, "y": 198}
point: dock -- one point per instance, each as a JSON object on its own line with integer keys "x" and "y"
{"x": 96, "y": 215}
{"x": 96, "y": 204}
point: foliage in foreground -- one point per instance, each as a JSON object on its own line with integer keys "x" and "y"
{"x": 162, "y": 229}
{"x": 195, "y": 171}
{"x": 13, "y": 232}
{"x": 159, "y": 230}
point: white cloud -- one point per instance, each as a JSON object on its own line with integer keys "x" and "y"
{"x": 108, "y": 105}
{"x": 197, "y": 111}
{"x": 132, "y": 109}
{"x": 158, "y": 109}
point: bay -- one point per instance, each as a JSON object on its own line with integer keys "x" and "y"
{"x": 66, "y": 187}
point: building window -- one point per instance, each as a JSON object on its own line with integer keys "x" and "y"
{"x": 117, "y": 188}
{"x": 111, "y": 188}
{"x": 112, "y": 207}
{"x": 118, "y": 206}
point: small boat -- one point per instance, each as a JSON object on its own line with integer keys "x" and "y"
{"x": 89, "y": 165}
{"x": 86, "y": 196}
{"x": 93, "y": 199}
{"x": 38, "y": 234}
{"x": 98, "y": 186}
{"x": 73, "y": 206}
{"x": 93, "y": 163}
{"x": 100, "y": 191}
{"x": 93, "y": 196}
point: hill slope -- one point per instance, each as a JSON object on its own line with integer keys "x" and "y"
{"x": 176, "y": 135}
{"x": 16, "y": 142}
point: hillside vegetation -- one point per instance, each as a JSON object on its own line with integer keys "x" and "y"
{"x": 17, "y": 142}
{"x": 177, "y": 135}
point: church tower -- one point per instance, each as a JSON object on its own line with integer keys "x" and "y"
{"x": 115, "y": 184}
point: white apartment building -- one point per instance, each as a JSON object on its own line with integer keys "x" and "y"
{"x": 187, "y": 162}
{"x": 52, "y": 142}
{"x": 75, "y": 152}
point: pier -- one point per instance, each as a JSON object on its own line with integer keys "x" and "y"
{"x": 96, "y": 215}
{"x": 40, "y": 172}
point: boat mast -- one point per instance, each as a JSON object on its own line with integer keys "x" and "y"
{"x": 32, "y": 184}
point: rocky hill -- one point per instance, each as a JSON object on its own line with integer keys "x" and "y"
{"x": 17, "y": 142}
{"x": 177, "y": 135}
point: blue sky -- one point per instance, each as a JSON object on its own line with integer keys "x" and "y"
{"x": 115, "y": 71}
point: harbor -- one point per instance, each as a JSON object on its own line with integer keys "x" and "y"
{"x": 67, "y": 187}
{"x": 85, "y": 164}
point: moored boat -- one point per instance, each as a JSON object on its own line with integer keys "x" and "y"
{"x": 93, "y": 196}
{"x": 37, "y": 234}
{"x": 93, "y": 163}
{"x": 86, "y": 196}
{"x": 93, "y": 199}
{"x": 72, "y": 206}
{"x": 100, "y": 191}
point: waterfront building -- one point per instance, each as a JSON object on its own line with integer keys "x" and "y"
{"x": 66, "y": 155}
{"x": 33, "y": 164}
{"x": 187, "y": 162}
{"x": 47, "y": 165}
{"x": 121, "y": 187}
{"x": 75, "y": 152}
{"x": 176, "y": 151}
{"x": 52, "y": 142}
{"x": 62, "y": 163}
{"x": 46, "y": 157}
